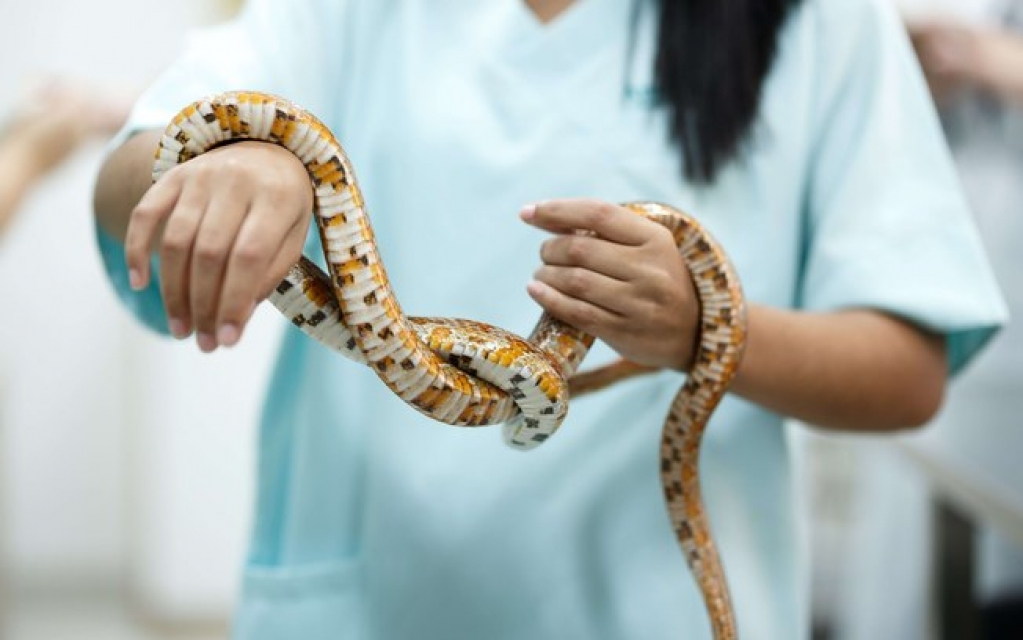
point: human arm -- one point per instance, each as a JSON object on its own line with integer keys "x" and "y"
{"x": 19, "y": 173}
{"x": 48, "y": 127}
{"x": 956, "y": 55}
{"x": 856, "y": 369}
{"x": 226, "y": 226}
{"x": 849, "y": 370}
{"x": 290, "y": 49}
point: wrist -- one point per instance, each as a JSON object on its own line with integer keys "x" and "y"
{"x": 292, "y": 173}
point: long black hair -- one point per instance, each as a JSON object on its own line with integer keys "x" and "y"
{"x": 712, "y": 59}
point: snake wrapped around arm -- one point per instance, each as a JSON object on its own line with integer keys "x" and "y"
{"x": 468, "y": 373}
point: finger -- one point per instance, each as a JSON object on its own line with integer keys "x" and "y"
{"x": 213, "y": 248}
{"x": 609, "y": 221}
{"x": 146, "y": 218}
{"x": 176, "y": 257}
{"x": 283, "y": 261}
{"x": 230, "y": 332}
{"x": 588, "y": 286}
{"x": 577, "y": 313}
{"x": 589, "y": 252}
{"x": 262, "y": 239}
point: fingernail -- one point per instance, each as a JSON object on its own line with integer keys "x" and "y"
{"x": 178, "y": 328}
{"x": 206, "y": 342}
{"x": 135, "y": 279}
{"x": 227, "y": 335}
{"x": 534, "y": 288}
{"x": 528, "y": 212}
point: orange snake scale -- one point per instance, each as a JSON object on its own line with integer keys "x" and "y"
{"x": 467, "y": 373}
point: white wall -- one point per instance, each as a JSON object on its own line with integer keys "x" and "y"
{"x": 62, "y": 447}
{"x": 191, "y": 464}
{"x": 121, "y": 455}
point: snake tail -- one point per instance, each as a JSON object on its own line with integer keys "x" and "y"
{"x": 719, "y": 352}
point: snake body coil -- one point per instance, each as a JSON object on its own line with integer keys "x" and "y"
{"x": 467, "y": 373}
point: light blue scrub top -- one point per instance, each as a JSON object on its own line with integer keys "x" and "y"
{"x": 374, "y": 522}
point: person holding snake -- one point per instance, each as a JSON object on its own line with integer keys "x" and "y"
{"x": 798, "y": 134}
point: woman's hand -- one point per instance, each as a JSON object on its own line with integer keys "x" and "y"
{"x": 227, "y": 226}
{"x": 852, "y": 369}
{"x": 622, "y": 280}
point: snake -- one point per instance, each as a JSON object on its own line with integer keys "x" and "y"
{"x": 468, "y": 373}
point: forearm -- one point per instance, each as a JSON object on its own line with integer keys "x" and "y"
{"x": 1001, "y": 68}
{"x": 855, "y": 370}
{"x": 123, "y": 180}
{"x": 16, "y": 176}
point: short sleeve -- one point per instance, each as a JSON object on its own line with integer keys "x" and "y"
{"x": 887, "y": 223}
{"x": 289, "y": 48}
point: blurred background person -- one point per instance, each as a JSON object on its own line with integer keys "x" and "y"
{"x": 46, "y": 128}
{"x": 961, "y": 57}
{"x": 975, "y": 70}
{"x": 876, "y": 569}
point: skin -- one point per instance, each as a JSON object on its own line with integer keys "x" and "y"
{"x": 15, "y": 181}
{"x": 51, "y": 124}
{"x": 957, "y": 56}
{"x": 226, "y": 225}
{"x": 855, "y": 369}
{"x": 548, "y": 10}
{"x": 226, "y": 234}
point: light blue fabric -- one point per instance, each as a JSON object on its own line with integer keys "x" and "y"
{"x": 147, "y": 305}
{"x": 374, "y": 522}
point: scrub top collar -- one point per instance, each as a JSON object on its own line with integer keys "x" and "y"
{"x": 570, "y": 41}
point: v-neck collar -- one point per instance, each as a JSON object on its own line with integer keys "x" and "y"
{"x": 576, "y": 35}
{"x": 540, "y": 25}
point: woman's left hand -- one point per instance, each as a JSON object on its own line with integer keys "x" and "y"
{"x": 619, "y": 276}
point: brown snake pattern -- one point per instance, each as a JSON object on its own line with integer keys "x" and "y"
{"x": 463, "y": 372}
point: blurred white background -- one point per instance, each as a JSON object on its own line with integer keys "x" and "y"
{"x": 125, "y": 460}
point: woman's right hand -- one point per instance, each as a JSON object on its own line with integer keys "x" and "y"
{"x": 227, "y": 225}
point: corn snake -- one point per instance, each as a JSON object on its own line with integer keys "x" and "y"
{"x": 466, "y": 373}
